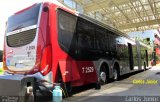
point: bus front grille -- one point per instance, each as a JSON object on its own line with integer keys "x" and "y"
{"x": 21, "y": 39}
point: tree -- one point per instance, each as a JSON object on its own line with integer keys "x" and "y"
{"x": 146, "y": 41}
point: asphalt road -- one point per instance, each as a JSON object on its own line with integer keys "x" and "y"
{"x": 138, "y": 87}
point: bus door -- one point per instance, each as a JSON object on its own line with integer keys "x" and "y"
{"x": 146, "y": 52}
{"x": 130, "y": 52}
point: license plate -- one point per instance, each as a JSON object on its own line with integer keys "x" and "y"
{"x": 19, "y": 65}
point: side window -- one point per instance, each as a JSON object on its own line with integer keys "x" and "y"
{"x": 85, "y": 35}
{"x": 66, "y": 24}
{"x": 101, "y": 39}
{"x": 120, "y": 46}
{"x": 84, "y": 41}
{"x": 142, "y": 52}
{"x": 112, "y": 42}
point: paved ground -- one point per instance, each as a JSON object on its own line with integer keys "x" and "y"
{"x": 140, "y": 87}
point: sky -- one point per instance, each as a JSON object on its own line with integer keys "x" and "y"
{"x": 9, "y": 7}
{"x": 144, "y": 34}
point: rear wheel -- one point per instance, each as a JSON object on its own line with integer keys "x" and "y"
{"x": 103, "y": 76}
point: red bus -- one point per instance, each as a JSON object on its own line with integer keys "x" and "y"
{"x": 58, "y": 45}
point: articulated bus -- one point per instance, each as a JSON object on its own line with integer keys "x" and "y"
{"x": 57, "y": 45}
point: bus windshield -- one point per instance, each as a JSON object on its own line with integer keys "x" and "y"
{"x": 23, "y": 19}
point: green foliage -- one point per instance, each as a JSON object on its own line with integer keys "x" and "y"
{"x": 1, "y": 71}
{"x": 145, "y": 41}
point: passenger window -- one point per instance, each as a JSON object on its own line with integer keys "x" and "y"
{"x": 67, "y": 25}
{"x": 85, "y": 35}
{"x": 101, "y": 39}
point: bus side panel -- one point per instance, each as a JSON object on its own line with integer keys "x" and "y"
{"x": 87, "y": 71}
{"x": 78, "y": 72}
{"x": 65, "y": 69}
{"x": 60, "y": 58}
{"x": 69, "y": 70}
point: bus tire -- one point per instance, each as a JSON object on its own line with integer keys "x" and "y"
{"x": 103, "y": 75}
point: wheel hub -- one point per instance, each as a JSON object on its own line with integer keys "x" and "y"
{"x": 115, "y": 74}
{"x": 103, "y": 76}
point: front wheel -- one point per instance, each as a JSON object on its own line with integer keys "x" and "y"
{"x": 103, "y": 76}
